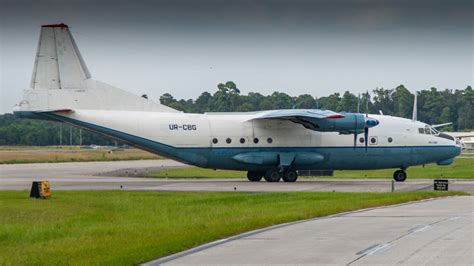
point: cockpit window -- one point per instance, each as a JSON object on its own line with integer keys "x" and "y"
{"x": 428, "y": 130}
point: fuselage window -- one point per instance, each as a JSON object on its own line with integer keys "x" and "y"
{"x": 214, "y": 140}
{"x": 255, "y": 140}
{"x": 242, "y": 140}
{"x": 269, "y": 140}
{"x": 228, "y": 140}
{"x": 361, "y": 140}
{"x": 373, "y": 140}
{"x": 421, "y": 130}
{"x": 390, "y": 140}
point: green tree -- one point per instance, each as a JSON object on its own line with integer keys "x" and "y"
{"x": 305, "y": 101}
{"x": 403, "y": 102}
{"x": 348, "y": 102}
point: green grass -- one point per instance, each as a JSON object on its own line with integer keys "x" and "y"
{"x": 56, "y": 154}
{"x": 461, "y": 168}
{"x": 124, "y": 228}
{"x": 197, "y": 173}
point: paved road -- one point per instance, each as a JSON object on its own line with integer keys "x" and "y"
{"x": 82, "y": 175}
{"x": 433, "y": 232}
{"x": 119, "y": 175}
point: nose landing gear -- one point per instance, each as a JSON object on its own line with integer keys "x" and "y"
{"x": 400, "y": 175}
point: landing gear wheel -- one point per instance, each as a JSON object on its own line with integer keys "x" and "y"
{"x": 255, "y": 176}
{"x": 290, "y": 176}
{"x": 272, "y": 175}
{"x": 400, "y": 175}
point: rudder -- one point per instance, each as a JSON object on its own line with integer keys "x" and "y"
{"x": 58, "y": 63}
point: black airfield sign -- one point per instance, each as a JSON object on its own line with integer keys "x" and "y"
{"x": 441, "y": 184}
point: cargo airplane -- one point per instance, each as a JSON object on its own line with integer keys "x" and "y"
{"x": 272, "y": 144}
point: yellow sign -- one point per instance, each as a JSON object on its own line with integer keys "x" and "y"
{"x": 40, "y": 189}
{"x": 45, "y": 192}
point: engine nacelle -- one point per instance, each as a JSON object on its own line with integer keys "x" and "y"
{"x": 349, "y": 124}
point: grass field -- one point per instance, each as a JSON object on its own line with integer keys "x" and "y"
{"x": 461, "y": 168}
{"x": 124, "y": 228}
{"x": 54, "y": 154}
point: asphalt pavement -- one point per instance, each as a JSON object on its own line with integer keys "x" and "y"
{"x": 126, "y": 175}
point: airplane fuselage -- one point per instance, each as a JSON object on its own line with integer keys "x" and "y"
{"x": 234, "y": 141}
{"x": 268, "y": 144}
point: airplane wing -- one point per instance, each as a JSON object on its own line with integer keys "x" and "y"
{"x": 317, "y": 119}
{"x": 310, "y": 113}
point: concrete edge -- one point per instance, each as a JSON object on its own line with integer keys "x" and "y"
{"x": 273, "y": 227}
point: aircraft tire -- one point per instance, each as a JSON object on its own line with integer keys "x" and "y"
{"x": 400, "y": 176}
{"x": 290, "y": 176}
{"x": 255, "y": 176}
{"x": 272, "y": 175}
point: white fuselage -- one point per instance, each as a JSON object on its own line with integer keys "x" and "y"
{"x": 226, "y": 134}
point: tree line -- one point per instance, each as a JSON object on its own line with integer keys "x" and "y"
{"x": 434, "y": 107}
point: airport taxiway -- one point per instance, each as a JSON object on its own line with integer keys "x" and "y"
{"x": 124, "y": 175}
{"x": 430, "y": 232}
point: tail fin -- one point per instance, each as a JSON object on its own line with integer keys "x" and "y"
{"x": 61, "y": 80}
{"x": 58, "y": 64}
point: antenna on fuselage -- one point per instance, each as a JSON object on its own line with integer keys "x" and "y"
{"x": 414, "y": 117}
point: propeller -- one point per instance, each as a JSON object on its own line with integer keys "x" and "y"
{"x": 369, "y": 122}
{"x": 366, "y": 129}
{"x": 358, "y": 111}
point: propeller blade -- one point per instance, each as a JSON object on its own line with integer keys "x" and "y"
{"x": 366, "y": 137}
{"x": 367, "y": 104}
{"x": 355, "y": 140}
{"x": 358, "y": 104}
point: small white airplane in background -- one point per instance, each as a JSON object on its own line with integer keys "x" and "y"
{"x": 272, "y": 145}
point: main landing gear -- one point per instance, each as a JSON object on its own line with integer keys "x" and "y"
{"x": 400, "y": 175}
{"x": 255, "y": 176}
{"x": 272, "y": 175}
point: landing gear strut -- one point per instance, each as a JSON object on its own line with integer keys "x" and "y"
{"x": 272, "y": 175}
{"x": 400, "y": 175}
{"x": 255, "y": 176}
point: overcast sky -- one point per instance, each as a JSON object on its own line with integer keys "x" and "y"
{"x": 187, "y": 47}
